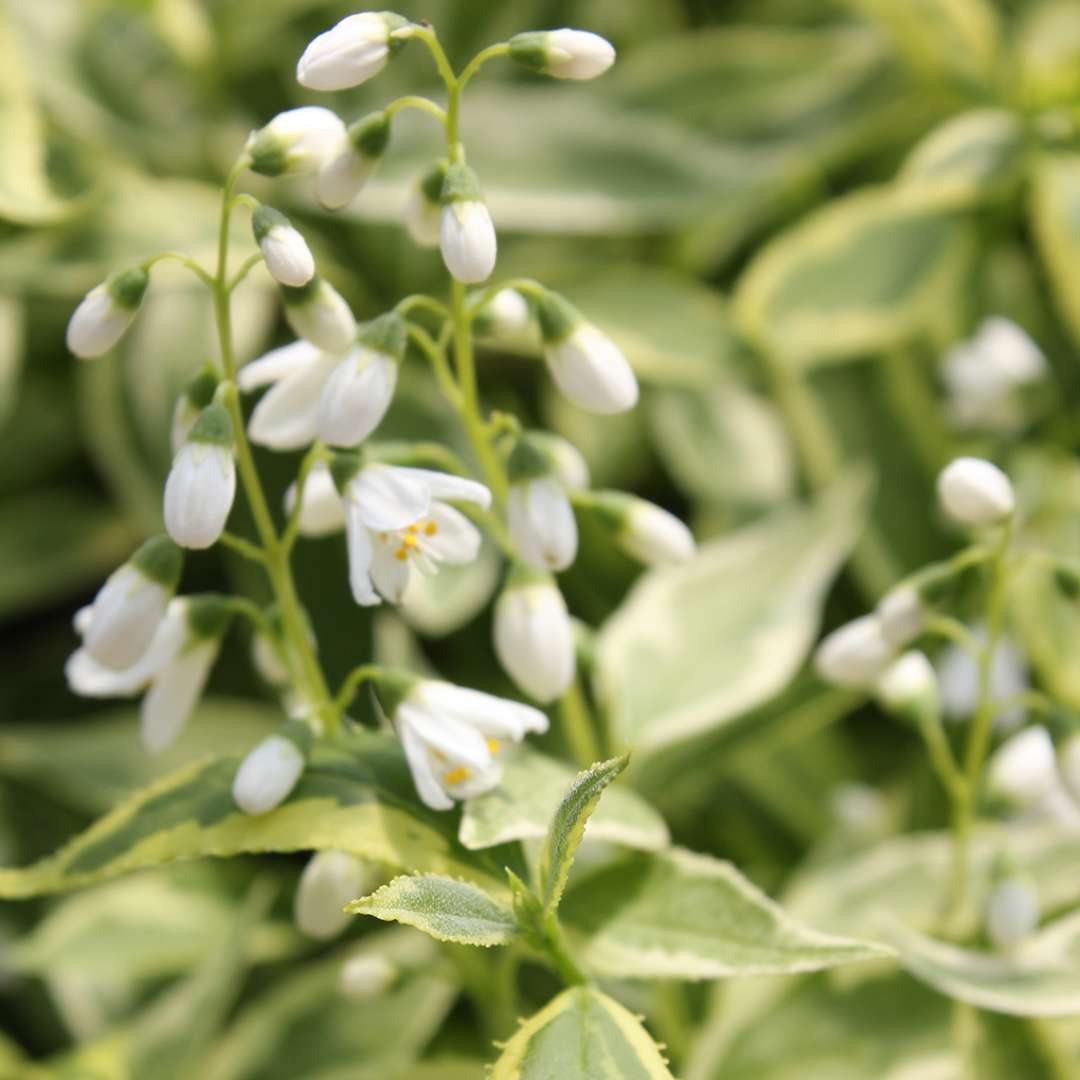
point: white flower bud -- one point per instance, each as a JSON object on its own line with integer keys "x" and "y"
{"x": 366, "y": 976}
{"x": 267, "y": 661}
{"x": 505, "y": 313}
{"x": 1023, "y": 769}
{"x": 322, "y": 511}
{"x": 909, "y": 686}
{"x": 534, "y": 637}
{"x": 319, "y": 314}
{"x": 329, "y": 881}
{"x": 288, "y": 258}
{"x": 269, "y": 772}
{"x": 105, "y": 313}
{"x": 423, "y": 212}
{"x": 350, "y": 53}
{"x": 902, "y": 615}
{"x": 1012, "y": 912}
{"x": 973, "y": 492}
{"x": 296, "y": 141}
{"x": 854, "y": 654}
{"x": 201, "y": 486}
{"x": 564, "y": 54}
{"x": 466, "y": 233}
{"x": 350, "y": 166}
{"x": 198, "y": 393}
{"x": 654, "y": 536}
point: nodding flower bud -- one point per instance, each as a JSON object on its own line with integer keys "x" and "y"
{"x": 974, "y": 492}
{"x": 196, "y": 395}
{"x": 201, "y": 486}
{"x": 269, "y": 772}
{"x": 1012, "y": 908}
{"x": 909, "y": 688}
{"x": 466, "y": 233}
{"x": 423, "y": 214}
{"x": 288, "y": 258}
{"x": 296, "y": 141}
{"x": 505, "y": 313}
{"x": 1023, "y": 769}
{"x": 645, "y": 531}
{"x": 347, "y": 170}
{"x": 902, "y": 615}
{"x": 366, "y": 976}
{"x": 329, "y": 881}
{"x": 105, "y": 313}
{"x": 319, "y": 314}
{"x": 350, "y": 53}
{"x": 564, "y": 54}
{"x": 587, "y": 365}
{"x": 854, "y": 654}
{"x": 564, "y": 458}
{"x": 539, "y": 514}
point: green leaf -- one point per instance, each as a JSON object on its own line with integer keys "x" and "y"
{"x": 356, "y": 795}
{"x": 568, "y": 827}
{"x": 581, "y": 1035}
{"x": 444, "y": 908}
{"x": 1048, "y": 54}
{"x": 869, "y": 272}
{"x": 1055, "y": 214}
{"x": 1000, "y": 1047}
{"x": 529, "y": 794}
{"x": 673, "y": 663}
{"x": 677, "y": 914}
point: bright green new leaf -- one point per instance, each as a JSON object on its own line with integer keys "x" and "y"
{"x": 568, "y": 827}
{"x": 676, "y": 914}
{"x": 1055, "y": 213}
{"x": 581, "y": 1035}
{"x": 528, "y": 795}
{"x": 445, "y": 908}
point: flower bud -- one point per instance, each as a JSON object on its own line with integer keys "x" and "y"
{"x": 318, "y": 313}
{"x": 643, "y": 530}
{"x": 587, "y": 366}
{"x": 564, "y": 54}
{"x": 287, "y": 255}
{"x": 350, "y": 53}
{"x": 269, "y": 772}
{"x": 423, "y": 213}
{"x": 534, "y": 637}
{"x": 540, "y": 517}
{"x": 105, "y": 313}
{"x": 975, "y": 493}
{"x": 466, "y": 234}
{"x": 266, "y": 657}
{"x": 909, "y": 688}
{"x": 505, "y": 313}
{"x": 854, "y": 654}
{"x": 329, "y": 881}
{"x": 322, "y": 511}
{"x": 566, "y": 460}
{"x": 1012, "y": 910}
{"x": 296, "y": 141}
{"x": 195, "y": 396}
{"x": 366, "y": 976}
{"x": 348, "y": 169}
{"x": 202, "y": 482}
{"x": 1023, "y": 769}
{"x": 902, "y": 615}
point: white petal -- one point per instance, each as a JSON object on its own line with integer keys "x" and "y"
{"x": 577, "y": 54}
{"x": 124, "y": 617}
{"x": 389, "y": 573}
{"x": 589, "y": 368}
{"x": 452, "y": 737}
{"x": 457, "y": 540}
{"x": 655, "y": 537}
{"x": 267, "y": 775}
{"x": 276, "y": 365}
{"x": 356, "y": 397}
{"x": 467, "y": 239}
{"x": 422, "y": 219}
{"x": 494, "y": 716}
{"x": 542, "y": 524}
{"x": 174, "y": 693}
{"x": 442, "y": 485}
{"x": 288, "y": 258}
{"x": 323, "y": 511}
{"x": 534, "y": 640}
{"x": 342, "y": 176}
{"x": 388, "y": 497}
{"x": 199, "y": 494}
{"x": 309, "y": 135}
{"x": 975, "y": 492}
{"x": 329, "y": 881}
{"x": 97, "y": 324}
{"x": 358, "y": 542}
{"x": 286, "y": 416}
{"x": 855, "y": 654}
{"x": 346, "y": 55}
{"x": 1024, "y": 767}
{"x": 324, "y": 319}
{"x": 417, "y": 755}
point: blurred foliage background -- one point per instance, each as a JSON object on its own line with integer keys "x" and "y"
{"x": 783, "y": 210}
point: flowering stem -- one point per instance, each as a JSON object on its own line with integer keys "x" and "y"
{"x": 244, "y": 547}
{"x": 420, "y": 104}
{"x": 316, "y": 453}
{"x": 353, "y": 681}
{"x": 501, "y": 48}
{"x": 437, "y": 358}
{"x": 183, "y": 260}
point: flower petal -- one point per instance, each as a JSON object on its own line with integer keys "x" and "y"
{"x": 287, "y": 416}
{"x": 276, "y": 365}
{"x": 388, "y": 497}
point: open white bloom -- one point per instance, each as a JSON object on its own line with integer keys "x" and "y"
{"x": 534, "y": 637}
{"x": 366, "y": 976}
{"x": 1012, "y": 912}
{"x": 172, "y": 670}
{"x": 423, "y": 212}
{"x": 344, "y": 172}
{"x": 201, "y": 486}
{"x": 452, "y": 736}
{"x": 958, "y": 674}
{"x": 396, "y": 519}
{"x": 296, "y": 141}
{"x": 466, "y": 232}
{"x": 902, "y": 615}
{"x": 586, "y": 365}
{"x": 322, "y": 510}
{"x": 361, "y": 387}
{"x": 268, "y": 773}
{"x": 318, "y": 313}
{"x": 855, "y": 654}
{"x": 287, "y": 256}
{"x": 564, "y": 54}
{"x": 128, "y": 608}
{"x": 350, "y": 53}
{"x": 974, "y": 492}
{"x": 1023, "y": 769}
{"x": 105, "y": 313}
{"x": 329, "y": 881}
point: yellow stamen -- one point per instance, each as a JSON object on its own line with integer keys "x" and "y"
{"x": 401, "y": 554}
{"x": 409, "y": 541}
{"x": 493, "y": 745}
{"x": 457, "y": 776}
{"x": 413, "y": 528}
{"x": 430, "y": 529}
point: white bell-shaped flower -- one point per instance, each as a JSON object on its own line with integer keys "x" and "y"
{"x": 105, "y": 313}
{"x": 423, "y": 211}
{"x": 128, "y": 608}
{"x": 902, "y": 614}
{"x": 452, "y": 736}
{"x": 398, "y": 518}
{"x": 1012, "y": 911}
{"x": 351, "y": 52}
{"x": 534, "y": 637}
{"x": 466, "y": 233}
{"x": 196, "y": 395}
{"x": 296, "y": 141}
{"x": 329, "y": 881}
{"x": 975, "y": 493}
{"x": 285, "y": 251}
{"x": 586, "y": 365}
{"x": 539, "y": 515}
{"x": 268, "y": 773}
{"x": 855, "y": 654}
{"x": 345, "y": 172}
{"x": 563, "y": 54}
{"x": 361, "y": 387}
{"x": 318, "y": 313}
{"x": 201, "y": 486}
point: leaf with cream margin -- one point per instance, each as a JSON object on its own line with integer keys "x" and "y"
{"x": 697, "y": 645}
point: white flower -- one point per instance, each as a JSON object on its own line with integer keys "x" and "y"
{"x": 173, "y": 669}
{"x": 910, "y": 684}
{"x": 506, "y": 312}
{"x": 350, "y": 53}
{"x": 1012, "y": 912}
{"x": 395, "y": 519}
{"x": 565, "y": 460}
{"x": 1023, "y": 769}
{"x": 296, "y": 141}
{"x": 586, "y": 365}
{"x": 329, "y": 881}
{"x": 366, "y": 976}
{"x": 423, "y": 211}
{"x": 564, "y": 54}
{"x": 268, "y": 773}
{"x": 466, "y": 233}
{"x": 127, "y": 610}
{"x": 534, "y": 637}
{"x": 654, "y": 536}
{"x": 958, "y": 675}
{"x": 319, "y": 314}
{"x": 902, "y": 615}
{"x": 452, "y": 736}
{"x": 349, "y": 167}
{"x": 542, "y": 523}
{"x": 973, "y": 492}
{"x": 201, "y": 486}
{"x": 855, "y": 654}
{"x": 322, "y": 510}
{"x": 105, "y": 313}
{"x": 288, "y": 258}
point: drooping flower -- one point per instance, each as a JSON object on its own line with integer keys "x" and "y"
{"x": 296, "y": 141}
{"x": 539, "y": 515}
{"x": 329, "y": 881}
{"x": 318, "y": 313}
{"x": 201, "y": 486}
{"x": 855, "y": 654}
{"x": 902, "y": 614}
{"x": 645, "y": 531}
{"x": 196, "y": 395}
{"x": 466, "y": 233}
{"x": 350, "y": 166}
{"x": 268, "y": 773}
{"x": 975, "y": 493}
{"x": 505, "y": 313}
{"x": 287, "y": 256}
{"x": 351, "y": 52}
{"x": 563, "y": 54}
{"x": 105, "y": 313}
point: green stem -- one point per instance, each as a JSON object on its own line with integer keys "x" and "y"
{"x": 501, "y": 48}
{"x": 316, "y": 453}
{"x": 183, "y": 260}
{"x": 578, "y": 727}
{"x": 558, "y": 952}
{"x": 244, "y": 547}
{"x": 353, "y": 681}
{"x": 436, "y": 356}
{"x": 420, "y": 104}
